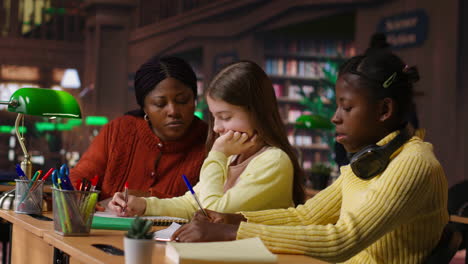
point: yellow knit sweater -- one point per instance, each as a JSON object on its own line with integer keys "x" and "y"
{"x": 396, "y": 217}
{"x": 268, "y": 175}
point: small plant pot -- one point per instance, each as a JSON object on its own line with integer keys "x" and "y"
{"x": 138, "y": 251}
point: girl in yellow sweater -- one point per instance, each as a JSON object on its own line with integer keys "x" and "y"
{"x": 250, "y": 155}
{"x": 387, "y": 206}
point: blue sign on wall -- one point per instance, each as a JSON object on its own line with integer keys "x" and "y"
{"x": 406, "y": 29}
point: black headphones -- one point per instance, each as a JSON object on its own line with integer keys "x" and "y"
{"x": 373, "y": 159}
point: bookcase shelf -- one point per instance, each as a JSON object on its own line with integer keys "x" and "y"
{"x": 298, "y": 78}
{"x": 313, "y": 147}
{"x": 303, "y": 56}
{"x": 297, "y": 68}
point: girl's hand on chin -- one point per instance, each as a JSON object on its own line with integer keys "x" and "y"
{"x": 234, "y": 142}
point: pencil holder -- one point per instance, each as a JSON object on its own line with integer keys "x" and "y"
{"x": 28, "y": 198}
{"x": 73, "y": 211}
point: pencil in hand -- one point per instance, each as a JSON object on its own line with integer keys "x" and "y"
{"x": 125, "y": 197}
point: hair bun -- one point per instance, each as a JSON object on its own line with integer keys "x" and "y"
{"x": 411, "y": 73}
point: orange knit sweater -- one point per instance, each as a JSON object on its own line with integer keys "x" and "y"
{"x": 126, "y": 149}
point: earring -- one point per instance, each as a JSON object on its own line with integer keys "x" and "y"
{"x": 146, "y": 117}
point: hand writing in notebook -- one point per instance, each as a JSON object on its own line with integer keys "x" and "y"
{"x": 134, "y": 205}
{"x": 223, "y": 218}
{"x": 205, "y": 229}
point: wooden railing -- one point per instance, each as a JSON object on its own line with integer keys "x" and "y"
{"x": 42, "y": 19}
{"x": 156, "y": 11}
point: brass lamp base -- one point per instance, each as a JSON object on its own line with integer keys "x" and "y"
{"x": 26, "y": 166}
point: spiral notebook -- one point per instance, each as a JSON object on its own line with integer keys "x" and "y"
{"x": 106, "y": 220}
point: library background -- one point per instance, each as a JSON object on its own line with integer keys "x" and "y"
{"x": 92, "y": 48}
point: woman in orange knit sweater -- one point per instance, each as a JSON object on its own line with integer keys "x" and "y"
{"x": 151, "y": 147}
{"x": 388, "y": 206}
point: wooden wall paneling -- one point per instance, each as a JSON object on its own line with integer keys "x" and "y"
{"x": 436, "y": 61}
{"x": 107, "y": 28}
{"x": 111, "y": 83}
{"x": 461, "y": 153}
{"x": 42, "y": 53}
{"x": 188, "y": 18}
{"x": 14, "y": 16}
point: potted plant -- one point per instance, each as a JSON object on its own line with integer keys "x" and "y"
{"x": 320, "y": 107}
{"x": 138, "y": 242}
{"x": 320, "y": 175}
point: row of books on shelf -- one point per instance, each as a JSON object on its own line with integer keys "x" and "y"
{"x": 295, "y": 68}
{"x": 293, "y": 91}
{"x": 292, "y": 114}
{"x": 309, "y": 159}
{"x": 311, "y": 47}
{"x": 306, "y": 139}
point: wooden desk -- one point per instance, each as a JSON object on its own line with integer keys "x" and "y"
{"x": 81, "y": 250}
{"x": 39, "y": 239}
{"x": 5, "y": 188}
{"x": 459, "y": 219}
{"x": 27, "y": 236}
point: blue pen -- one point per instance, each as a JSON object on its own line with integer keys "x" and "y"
{"x": 20, "y": 172}
{"x": 55, "y": 179}
{"x": 193, "y": 193}
{"x": 63, "y": 174}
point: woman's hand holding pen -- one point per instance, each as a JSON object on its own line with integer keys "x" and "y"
{"x": 220, "y": 218}
{"x": 234, "y": 142}
{"x": 134, "y": 206}
{"x": 201, "y": 229}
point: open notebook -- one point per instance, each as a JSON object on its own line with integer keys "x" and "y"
{"x": 106, "y": 220}
{"x": 166, "y": 234}
{"x": 251, "y": 250}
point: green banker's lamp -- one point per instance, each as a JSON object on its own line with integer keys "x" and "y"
{"x": 40, "y": 102}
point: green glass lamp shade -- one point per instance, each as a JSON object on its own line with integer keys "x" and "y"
{"x": 40, "y": 102}
{"x": 44, "y": 102}
{"x": 313, "y": 122}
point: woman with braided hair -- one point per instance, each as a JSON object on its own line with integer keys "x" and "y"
{"x": 150, "y": 148}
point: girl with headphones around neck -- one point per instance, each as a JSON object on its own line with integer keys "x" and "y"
{"x": 388, "y": 206}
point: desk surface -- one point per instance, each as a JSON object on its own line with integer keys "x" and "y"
{"x": 81, "y": 249}
{"x": 4, "y": 188}
{"x": 32, "y": 225}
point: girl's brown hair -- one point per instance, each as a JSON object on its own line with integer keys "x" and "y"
{"x": 245, "y": 84}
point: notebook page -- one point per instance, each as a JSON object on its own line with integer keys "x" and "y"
{"x": 251, "y": 250}
{"x": 166, "y": 234}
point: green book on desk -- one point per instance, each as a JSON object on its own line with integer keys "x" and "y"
{"x": 105, "y": 220}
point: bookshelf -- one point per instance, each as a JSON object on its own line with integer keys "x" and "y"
{"x": 300, "y": 68}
